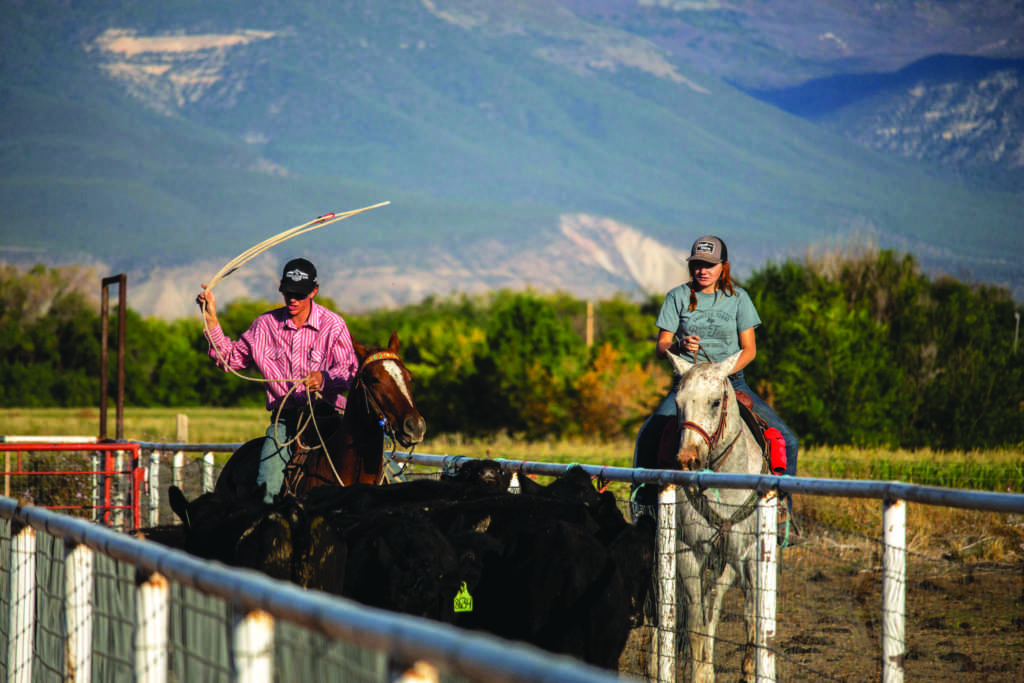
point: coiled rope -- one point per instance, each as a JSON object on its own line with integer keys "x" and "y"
{"x": 243, "y": 258}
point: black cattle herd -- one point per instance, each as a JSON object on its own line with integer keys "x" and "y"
{"x": 556, "y": 566}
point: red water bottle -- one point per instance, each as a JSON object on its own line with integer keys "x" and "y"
{"x": 776, "y": 450}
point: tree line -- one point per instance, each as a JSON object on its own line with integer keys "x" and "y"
{"x": 856, "y": 349}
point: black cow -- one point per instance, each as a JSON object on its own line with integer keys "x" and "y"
{"x": 556, "y": 566}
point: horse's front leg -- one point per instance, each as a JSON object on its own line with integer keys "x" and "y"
{"x": 750, "y": 620}
{"x": 690, "y": 567}
{"x": 713, "y": 601}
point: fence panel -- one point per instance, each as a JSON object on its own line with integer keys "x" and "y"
{"x": 838, "y": 589}
{"x": 355, "y": 642}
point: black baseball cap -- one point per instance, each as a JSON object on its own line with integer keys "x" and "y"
{"x": 298, "y": 278}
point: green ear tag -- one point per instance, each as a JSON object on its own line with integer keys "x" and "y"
{"x": 463, "y": 601}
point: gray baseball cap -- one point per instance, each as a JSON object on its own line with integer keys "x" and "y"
{"x": 709, "y": 249}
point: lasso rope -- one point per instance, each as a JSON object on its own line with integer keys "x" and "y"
{"x": 254, "y": 251}
{"x": 243, "y": 258}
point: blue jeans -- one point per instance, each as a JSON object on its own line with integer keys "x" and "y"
{"x": 273, "y": 459}
{"x": 645, "y": 453}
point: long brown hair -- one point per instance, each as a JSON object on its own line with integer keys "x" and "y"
{"x": 724, "y": 284}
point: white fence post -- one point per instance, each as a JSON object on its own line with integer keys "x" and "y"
{"x": 152, "y": 613}
{"x": 21, "y": 637}
{"x": 665, "y": 651}
{"x": 153, "y": 492}
{"x": 253, "y": 647}
{"x": 894, "y": 588}
{"x": 98, "y": 461}
{"x": 120, "y": 493}
{"x": 179, "y": 464}
{"x": 208, "y": 472}
{"x": 767, "y": 579}
{"x": 78, "y": 580}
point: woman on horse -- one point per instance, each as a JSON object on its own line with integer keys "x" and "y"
{"x": 708, "y": 318}
{"x": 300, "y": 348}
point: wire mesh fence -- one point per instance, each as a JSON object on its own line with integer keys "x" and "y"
{"x": 964, "y": 609}
{"x": 964, "y": 600}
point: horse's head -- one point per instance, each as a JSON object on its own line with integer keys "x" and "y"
{"x": 387, "y": 386}
{"x": 704, "y": 399}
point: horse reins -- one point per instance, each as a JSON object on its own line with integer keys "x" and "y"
{"x": 697, "y": 499}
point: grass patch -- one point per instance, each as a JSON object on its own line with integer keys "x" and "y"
{"x": 952, "y": 533}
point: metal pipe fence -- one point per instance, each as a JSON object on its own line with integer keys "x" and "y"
{"x": 83, "y": 602}
{"x": 838, "y": 605}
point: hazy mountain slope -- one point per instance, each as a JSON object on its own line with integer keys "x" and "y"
{"x": 762, "y": 45}
{"x": 180, "y": 134}
{"x": 962, "y": 113}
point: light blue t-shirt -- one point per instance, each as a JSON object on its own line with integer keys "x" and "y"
{"x": 717, "y": 320}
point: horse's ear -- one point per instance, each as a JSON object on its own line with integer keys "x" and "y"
{"x": 393, "y": 342}
{"x": 726, "y": 366}
{"x": 360, "y": 350}
{"x": 681, "y": 365}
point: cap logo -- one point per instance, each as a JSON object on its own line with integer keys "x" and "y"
{"x": 296, "y": 275}
{"x": 704, "y": 247}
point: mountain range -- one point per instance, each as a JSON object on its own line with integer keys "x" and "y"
{"x": 554, "y": 144}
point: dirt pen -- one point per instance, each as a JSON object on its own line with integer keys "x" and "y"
{"x": 847, "y": 606}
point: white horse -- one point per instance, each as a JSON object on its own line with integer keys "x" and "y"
{"x": 717, "y": 528}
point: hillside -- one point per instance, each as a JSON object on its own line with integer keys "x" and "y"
{"x": 164, "y": 140}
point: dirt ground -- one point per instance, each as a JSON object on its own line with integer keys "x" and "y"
{"x": 964, "y": 621}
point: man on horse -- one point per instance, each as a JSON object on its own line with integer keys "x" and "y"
{"x": 304, "y": 352}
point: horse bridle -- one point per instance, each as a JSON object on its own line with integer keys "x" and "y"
{"x": 697, "y": 498}
{"x": 712, "y": 439}
{"x": 371, "y": 400}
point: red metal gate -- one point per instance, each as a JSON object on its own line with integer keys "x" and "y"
{"x": 103, "y": 501}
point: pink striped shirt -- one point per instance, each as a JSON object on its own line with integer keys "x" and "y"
{"x": 279, "y": 350}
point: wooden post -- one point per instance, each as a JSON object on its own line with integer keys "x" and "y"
{"x": 590, "y": 323}
{"x": 154, "y": 488}
{"x": 894, "y": 588}
{"x": 79, "y": 600}
{"x": 253, "y": 645}
{"x": 152, "y": 614}
{"x": 21, "y": 636}
{"x": 665, "y": 651}
{"x": 766, "y": 583}
{"x": 208, "y": 480}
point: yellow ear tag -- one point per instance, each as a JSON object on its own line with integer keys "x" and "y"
{"x": 463, "y": 601}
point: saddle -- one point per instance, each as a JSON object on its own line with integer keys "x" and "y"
{"x": 324, "y": 421}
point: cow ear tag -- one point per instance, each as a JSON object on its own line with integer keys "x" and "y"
{"x": 463, "y": 601}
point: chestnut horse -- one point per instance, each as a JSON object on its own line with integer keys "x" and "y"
{"x": 347, "y": 449}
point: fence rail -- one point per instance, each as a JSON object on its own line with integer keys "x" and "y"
{"x": 893, "y": 652}
{"x": 253, "y": 598}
